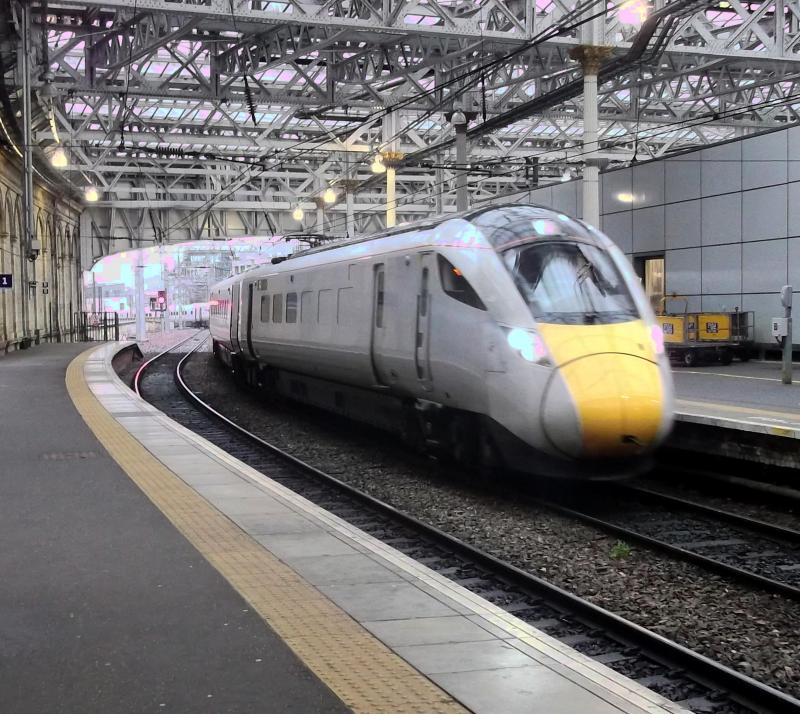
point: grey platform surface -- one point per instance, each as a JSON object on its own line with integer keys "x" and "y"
{"x": 104, "y": 607}
{"x": 747, "y": 396}
{"x": 487, "y": 659}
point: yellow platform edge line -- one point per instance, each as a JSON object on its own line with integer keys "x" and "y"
{"x": 722, "y": 406}
{"x": 363, "y": 672}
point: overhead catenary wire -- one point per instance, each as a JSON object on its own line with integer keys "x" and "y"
{"x": 257, "y": 165}
{"x": 542, "y": 37}
{"x": 479, "y": 72}
{"x": 620, "y": 140}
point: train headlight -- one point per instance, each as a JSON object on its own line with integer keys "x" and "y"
{"x": 657, "y": 335}
{"x": 528, "y": 345}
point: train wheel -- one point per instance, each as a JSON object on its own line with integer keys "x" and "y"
{"x": 267, "y": 381}
{"x": 238, "y": 368}
{"x": 726, "y": 356}
{"x": 464, "y": 438}
{"x": 490, "y": 460}
{"x": 412, "y": 431}
{"x": 689, "y": 358}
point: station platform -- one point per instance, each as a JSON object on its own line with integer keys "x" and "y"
{"x": 155, "y": 572}
{"x": 742, "y": 410}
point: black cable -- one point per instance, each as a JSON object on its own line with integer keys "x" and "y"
{"x": 542, "y": 37}
{"x": 621, "y": 140}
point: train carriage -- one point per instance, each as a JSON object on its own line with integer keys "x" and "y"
{"x": 515, "y": 334}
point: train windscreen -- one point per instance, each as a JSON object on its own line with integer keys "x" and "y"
{"x": 511, "y": 225}
{"x": 570, "y": 282}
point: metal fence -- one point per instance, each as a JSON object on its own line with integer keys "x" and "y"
{"x": 97, "y": 326}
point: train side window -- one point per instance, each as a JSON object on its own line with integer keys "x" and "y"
{"x": 307, "y": 311}
{"x": 346, "y": 306}
{"x": 291, "y": 307}
{"x": 456, "y": 286}
{"x": 379, "y": 297}
{"x": 265, "y": 308}
{"x": 326, "y": 309}
{"x": 277, "y": 308}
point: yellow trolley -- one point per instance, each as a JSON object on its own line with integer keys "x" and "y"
{"x": 692, "y": 338}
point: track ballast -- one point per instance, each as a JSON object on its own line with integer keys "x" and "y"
{"x": 675, "y": 672}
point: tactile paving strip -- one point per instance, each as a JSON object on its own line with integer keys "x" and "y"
{"x": 361, "y": 670}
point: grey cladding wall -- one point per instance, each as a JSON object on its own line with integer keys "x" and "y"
{"x": 727, "y": 219}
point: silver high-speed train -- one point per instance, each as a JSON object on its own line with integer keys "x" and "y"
{"x": 513, "y": 335}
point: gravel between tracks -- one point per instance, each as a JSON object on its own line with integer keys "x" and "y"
{"x": 788, "y": 518}
{"x": 749, "y": 631}
{"x": 155, "y": 343}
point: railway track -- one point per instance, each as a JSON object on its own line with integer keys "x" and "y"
{"x": 746, "y": 549}
{"x": 676, "y": 672}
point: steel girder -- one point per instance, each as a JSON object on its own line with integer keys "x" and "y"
{"x": 189, "y": 86}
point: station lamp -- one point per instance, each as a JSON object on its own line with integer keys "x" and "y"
{"x": 633, "y": 12}
{"x": 91, "y": 195}
{"x": 378, "y": 167}
{"x": 297, "y": 214}
{"x": 329, "y": 196}
{"x": 59, "y": 158}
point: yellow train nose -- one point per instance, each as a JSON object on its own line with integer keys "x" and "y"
{"x": 617, "y": 401}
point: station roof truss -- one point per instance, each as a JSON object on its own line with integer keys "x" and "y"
{"x": 179, "y": 111}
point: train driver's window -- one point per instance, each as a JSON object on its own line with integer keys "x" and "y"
{"x": 456, "y": 286}
{"x": 265, "y": 308}
{"x": 291, "y": 307}
{"x": 277, "y": 308}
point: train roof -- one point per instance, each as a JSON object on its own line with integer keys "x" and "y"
{"x": 500, "y": 233}
{"x": 425, "y": 225}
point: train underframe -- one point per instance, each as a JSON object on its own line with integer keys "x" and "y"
{"x": 474, "y": 441}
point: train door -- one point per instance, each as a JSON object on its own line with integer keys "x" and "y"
{"x": 378, "y": 335}
{"x": 248, "y": 318}
{"x": 235, "y": 318}
{"x": 422, "y": 351}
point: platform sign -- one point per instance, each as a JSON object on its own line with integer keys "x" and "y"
{"x": 6, "y": 281}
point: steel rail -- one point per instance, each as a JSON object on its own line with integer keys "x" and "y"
{"x": 764, "y": 488}
{"x": 137, "y": 378}
{"x": 740, "y": 574}
{"x": 753, "y": 524}
{"x": 756, "y": 695}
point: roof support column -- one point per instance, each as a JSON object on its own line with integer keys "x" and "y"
{"x": 27, "y": 243}
{"x": 590, "y": 57}
{"x": 390, "y": 159}
{"x": 459, "y": 122}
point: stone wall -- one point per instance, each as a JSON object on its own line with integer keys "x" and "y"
{"x": 51, "y": 308}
